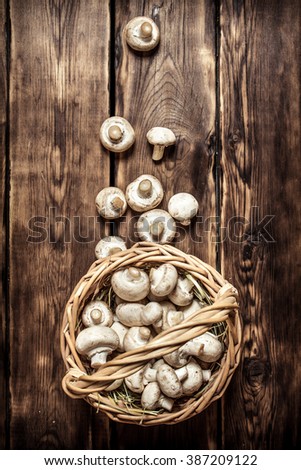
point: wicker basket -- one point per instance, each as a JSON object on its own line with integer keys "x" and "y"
{"x": 81, "y": 382}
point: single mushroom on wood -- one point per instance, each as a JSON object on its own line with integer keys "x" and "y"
{"x": 111, "y": 203}
{"x": 97, "y": 342}
{"x": 157, "y": 226}
{"x": 130, "y": 284}
{"x": 109, "y": 246}
{"x": 183, "y": 207}
{"x": 144, "y": 193}
{"x": 142, "y": 33}
{"x": 97, "y": 312}
{"x": 116, "y": 134}
{"x": 160, "y": 138}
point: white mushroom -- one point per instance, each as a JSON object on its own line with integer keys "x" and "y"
{"x": 116, "y": 134}
{"x": 130, "y": 284}
{"x": 169, "y": 380}
{"x": 183, "y": 207}
{"x": 206, "y": 347}
{"x": 194, "y": 378}
{"x": 163, "y": 279}
{"x": 160, "y": 137}
{"x": 110, "y": 203}
{"x": 109, "y": 246}
{"x": 192, "y": 308}
{"x": 121, "y": 331}
{"x": 150, "y": 374}
{"x": 116, "y": 384}
{"x": 157, "y": 226}
{"x": 171, "y": 318}
{"x": 152, "y": 398}
{"x": 97, "y": 342}
{"x": 137, "y": 314}
{"x": 136, "y": 337}
{"x": 142, "y": 34}
{"x": 206, "y": 374}
{"x": 135, "y": 381}
{"x": 129, "y": 314}
{"x": 212, "y": 348}
{"x": 152, "y": 313}
{"x": 168, "y": 319}
{"x": 182, "y": 294}
{"x": 144, "y": 194}
{"x": 158, "y": 363}
{"x": 97, "y": 312}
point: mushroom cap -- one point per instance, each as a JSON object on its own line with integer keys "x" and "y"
{"x": 135, "y": 381}
{"x": 183, "y": 207}
{"x": 108, "y": 246}
{"x": 135, "y": 37}
{"x": 121, "y": 331}
{"x": 169, "y": 382}
{"x": 150, "y": 396}
{"x": 161, "y": 136}
{"x": 172, "y": 318}
{"x": 130, "y": 284}
{"x": 213, "y": 348}
{"x": 96, "y": 338}
{"x": 136, "y": 337}
{"x": 182, "y": 294}
{"x": 194, "y": 380}
{"x": 140, "y": 202}
{"x": 111, "y": 203}
{"x": 97, "y": 312}
{"x": 163, "y": 279}
{"x": 193, "y": 307}
{"x": 149, "y": 219}
{"x": 127, "y": 134}
{"x": 152, "y": 312}
{"x": 129, "y": 314}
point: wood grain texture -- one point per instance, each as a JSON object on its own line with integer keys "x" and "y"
{"x": 172, "y": 86}
{"x": 3, "y": 199}
{"x": 260, "y": 130}
{"x": 58, "y": 98}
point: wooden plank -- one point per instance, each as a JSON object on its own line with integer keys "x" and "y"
{"x": 3, "y": 151}
{"x": 260, "y": 105}
{"x": 58, "y": 99}
{"x": 172, "y": 86}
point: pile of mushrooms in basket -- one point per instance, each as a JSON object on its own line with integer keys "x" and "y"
{"x": 150, "y": 334}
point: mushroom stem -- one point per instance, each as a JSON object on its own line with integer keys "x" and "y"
{"x": 99, "y": 358}
{"x": 158, "y": 152}
{"x": 146, "y": 30}
{"x": 181, "y": 373}
{"x": 117, "y": 203}
{"x": 156, "y": 229}
{"x": 166, "y": 403}
{"x": 115, "y": 133}
{"x": 134, "y": 273}
{"x": 96, "y": 316}
{"x": 145, "y": 188}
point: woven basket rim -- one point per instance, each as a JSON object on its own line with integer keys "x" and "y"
{"x": 79, "y": 383}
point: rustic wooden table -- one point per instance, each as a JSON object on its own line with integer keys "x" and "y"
{"x": 226, "y": 79}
